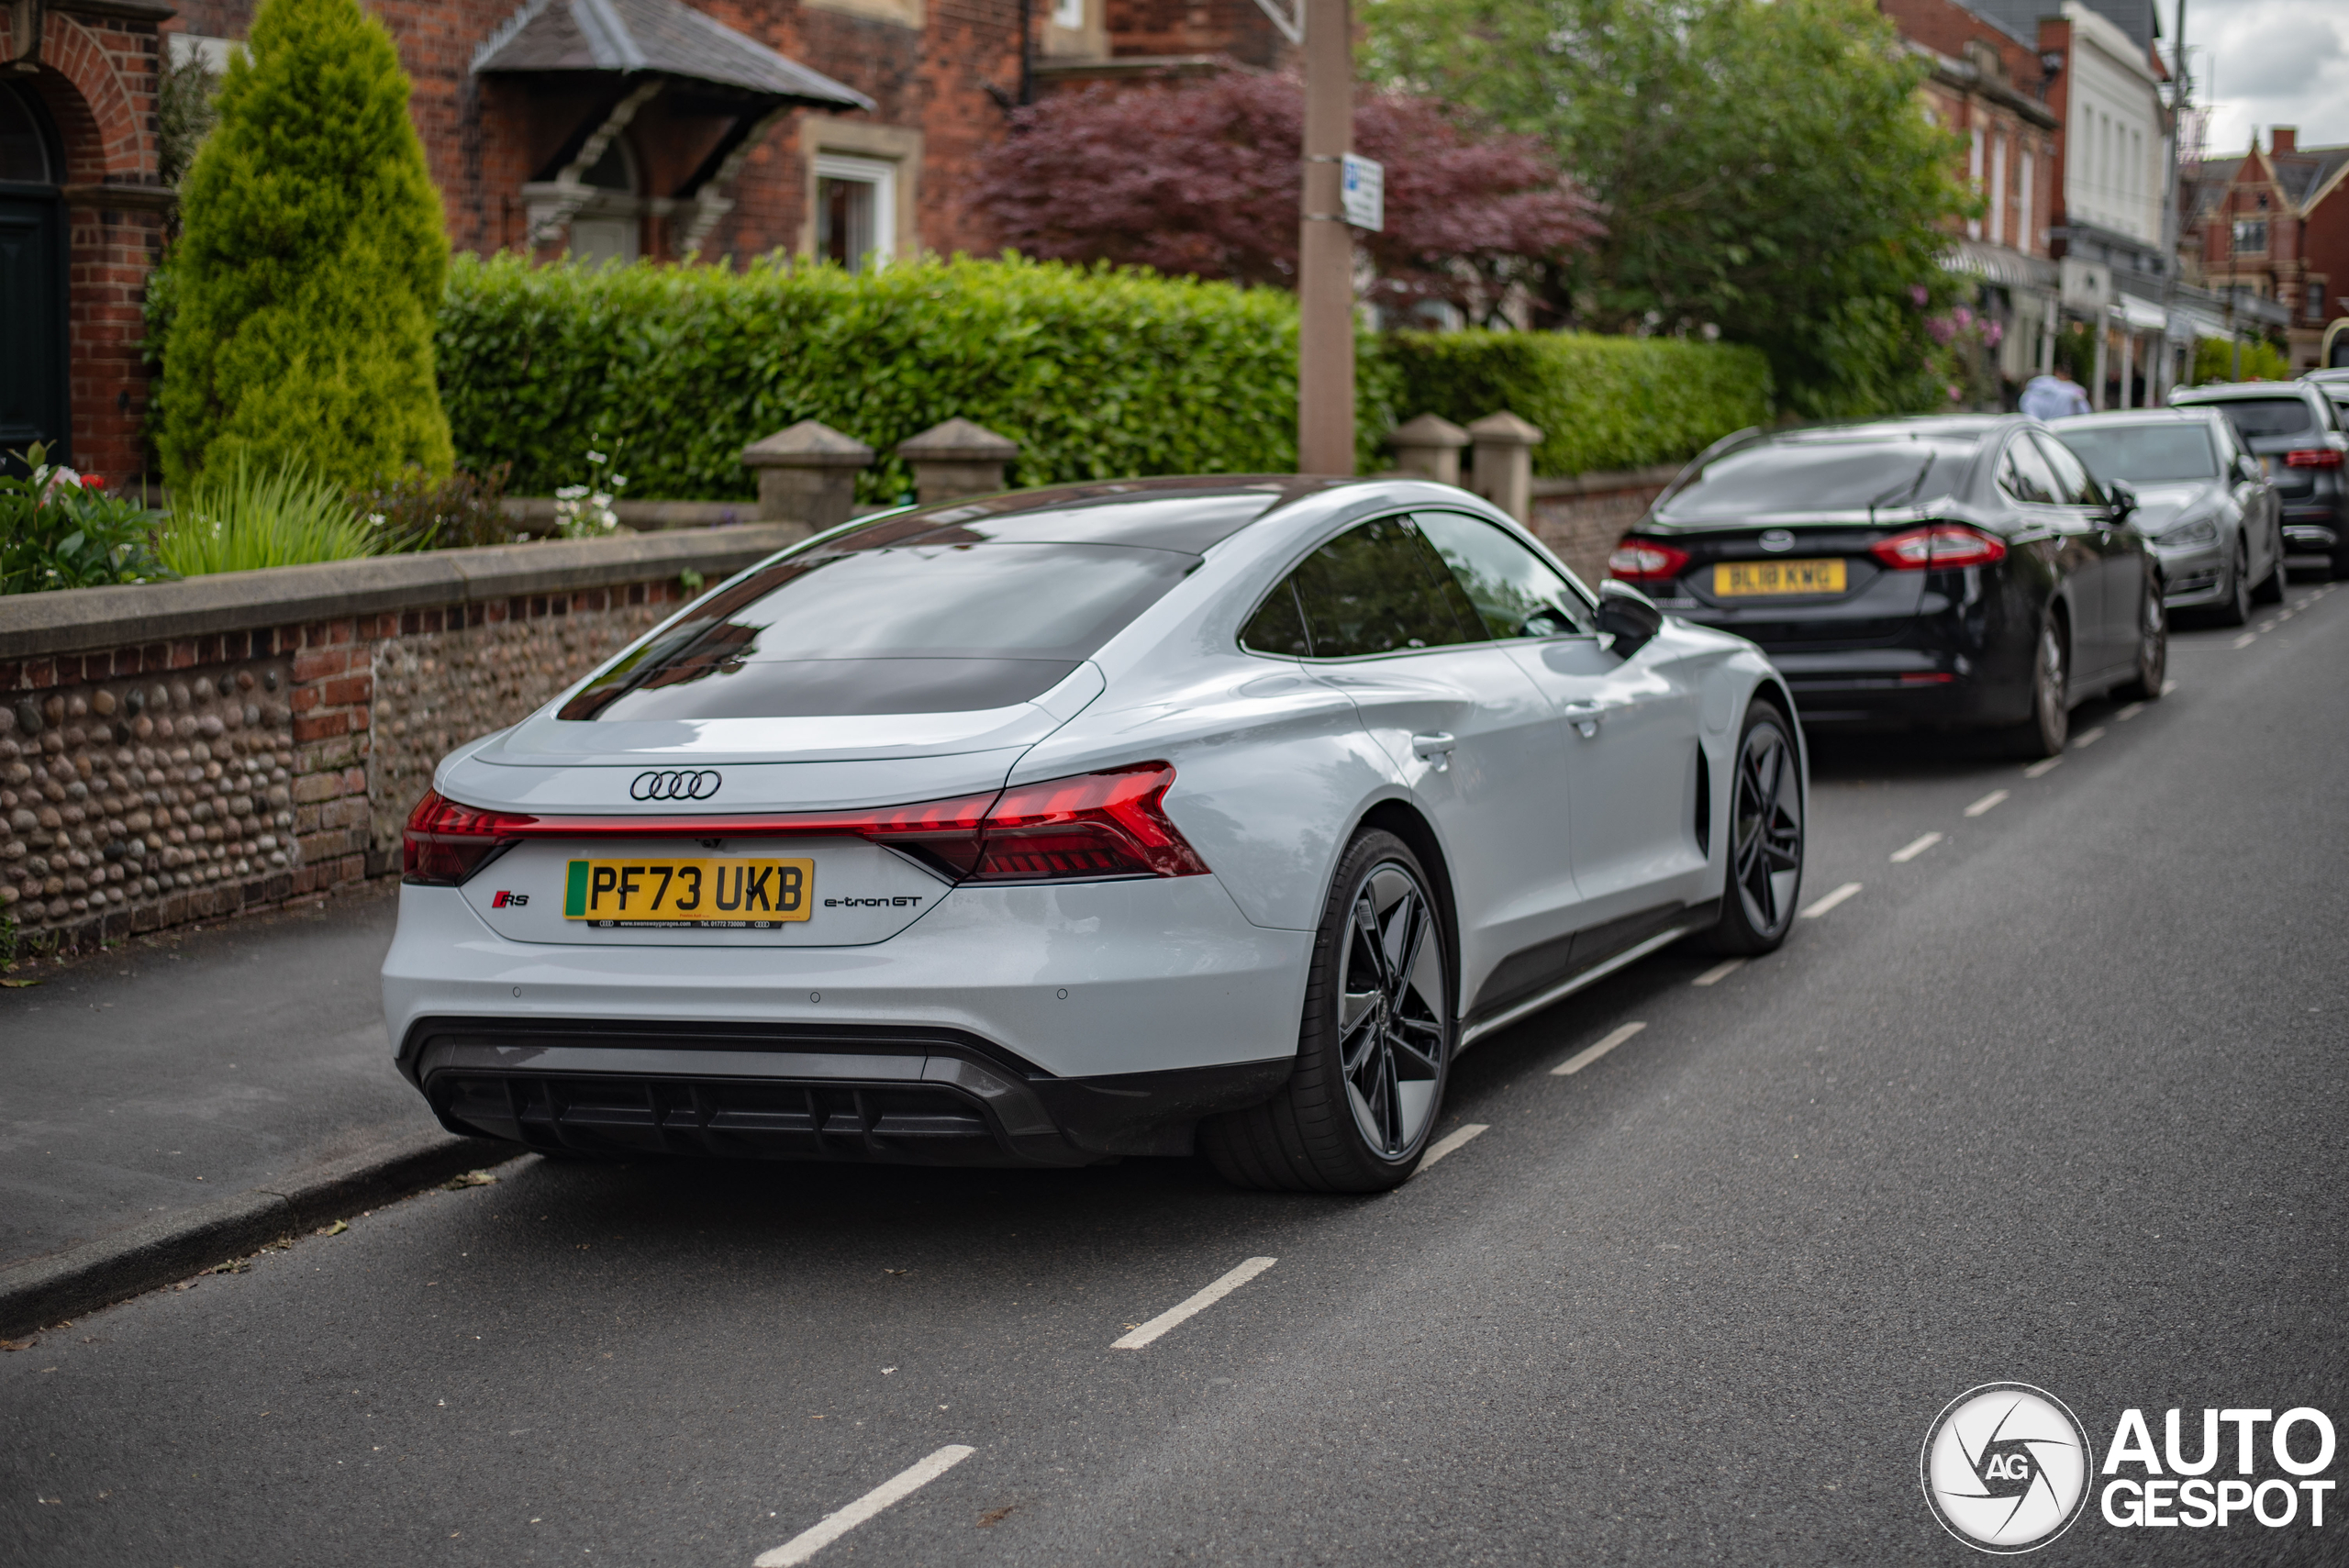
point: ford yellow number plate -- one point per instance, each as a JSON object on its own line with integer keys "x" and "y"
{"x": 1734, "y": 579}
{"x": 742, "y": 895}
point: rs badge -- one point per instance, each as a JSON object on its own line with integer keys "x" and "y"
{"x": 500, "y": 899}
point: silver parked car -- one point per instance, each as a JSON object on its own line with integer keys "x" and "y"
{"x": 1121, "y": 818}
{"x": 2203, "y": 501}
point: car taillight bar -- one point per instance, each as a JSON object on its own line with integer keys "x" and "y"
{"x": 1111, "y": 823}
{"x": 1938, "y": 547}
{"x": 1645, "y": 561}
{"x": 2312, "y": 457}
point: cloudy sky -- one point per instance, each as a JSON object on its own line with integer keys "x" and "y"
{"x": 2264, "y": 62}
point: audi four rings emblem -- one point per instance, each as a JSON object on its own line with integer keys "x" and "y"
{"x": 674, "y": 785}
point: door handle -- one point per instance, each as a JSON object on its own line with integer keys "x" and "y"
{"x": 1585, "y": 716}
{"x": 1436, "y": 748}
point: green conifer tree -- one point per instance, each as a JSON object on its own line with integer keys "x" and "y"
{"x": 311, "y": 263}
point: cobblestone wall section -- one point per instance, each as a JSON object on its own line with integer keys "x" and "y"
{"x": 445, "y": 677}
{"x": 146, "y": 787}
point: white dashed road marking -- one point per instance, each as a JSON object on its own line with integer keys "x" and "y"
{"x": 2131, "y": 711}
{"x": 1832, "y": 899}
{"x": 2168, "y": 686}
{"x": 1904, "y": 855}
{"x": 2042, "y": 767}
{"x": 1719, "y": 971}
{"x": 1582, "y": 1059}
{"x": 1452, "y": 1140}
{"x": 2246, "y": 640}
{"x": 1196, "y": 1303}
{"x": 2088, "y": 737}
{"x": 1985, "y": 803}
{"x": 903, "y": 1485}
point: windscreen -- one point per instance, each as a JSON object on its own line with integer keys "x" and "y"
{"x": 1816, "y": 476}
{"x": 938, "y": 627}
{"x": 2145, "y": 454}
{"x": 2256, "y": 416}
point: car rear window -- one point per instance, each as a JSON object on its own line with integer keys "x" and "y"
{"x": 927, "y": 627}
{"x": 2145, "y": 454}
{"x": 1816, "y": 476}
{"x": 2254, "y": 416}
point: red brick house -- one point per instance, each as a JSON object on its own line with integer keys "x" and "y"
{"x": 2275, "y": 221}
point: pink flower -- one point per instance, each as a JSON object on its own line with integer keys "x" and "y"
{"x": 1917, "y": 292}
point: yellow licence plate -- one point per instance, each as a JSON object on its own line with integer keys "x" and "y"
{"x": 753, "y": 894}
{"x": 1731, "y": 578}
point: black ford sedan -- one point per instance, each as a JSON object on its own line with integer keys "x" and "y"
{"x": 1957, "y": 572}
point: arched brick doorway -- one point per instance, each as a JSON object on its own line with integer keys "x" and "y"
{"x": 35, "y": 402}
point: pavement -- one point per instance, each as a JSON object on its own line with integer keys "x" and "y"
{"x": 2054, "y": 1096}
{"x": 164, "y": 1093}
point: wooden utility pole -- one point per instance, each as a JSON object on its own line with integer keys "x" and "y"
{"x": 1325, "y": 251}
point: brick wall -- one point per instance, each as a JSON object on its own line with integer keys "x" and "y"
{"x": 1581, "y": 520}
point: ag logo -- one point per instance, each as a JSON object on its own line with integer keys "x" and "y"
{"x": 2006, "y": 1467}
{"x": 674, "y": 785}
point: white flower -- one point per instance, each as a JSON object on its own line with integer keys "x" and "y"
{"x": 596, "y": 457}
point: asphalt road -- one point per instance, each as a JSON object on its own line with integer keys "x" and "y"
{"x": 2057, "y": 1099}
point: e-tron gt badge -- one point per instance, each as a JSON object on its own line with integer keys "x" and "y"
{"x": 675, "y": 784}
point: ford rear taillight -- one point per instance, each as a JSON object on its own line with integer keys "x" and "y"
{"x": 1645, "y": 561}
{"x": 444, "y": 842}
{"x": 1938, "y": 547}
{"x": 2312, "y": 457}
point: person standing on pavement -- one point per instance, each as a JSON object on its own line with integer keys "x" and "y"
{"x": 2054, "y": 397}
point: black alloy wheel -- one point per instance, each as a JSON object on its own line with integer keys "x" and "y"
{"x": 1375, "y": 1045}
{"x": 1765, "y": 837}
{"x": 2152, "y": 646}
{"x": 2235, "y": 608}
{"x": 2050, "y": 724}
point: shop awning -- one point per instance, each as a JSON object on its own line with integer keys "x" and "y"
{"x": 2139, "y": 315}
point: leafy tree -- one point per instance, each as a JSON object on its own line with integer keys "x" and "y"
{"x": 1763, "y": 165}
{"x": 311, "y": 264}
{"x": 1202, "y": 180}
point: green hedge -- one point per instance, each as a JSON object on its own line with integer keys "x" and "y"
{"x": 1603, "y": 403}
{"x": 1097, "y": 373}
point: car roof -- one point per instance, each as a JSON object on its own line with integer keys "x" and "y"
{"x": 1189, "y": 513}
{"x": 2233, "y": 391}
{"x": 1919, "y": 427}
{"x": 2332, "y": 374}
{"x": 2136, "y": 416}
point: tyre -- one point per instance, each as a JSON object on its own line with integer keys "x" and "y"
{"x": 1374, "y": 1047}
{"x": 2271, "y": 587}
{"x": 1765, "y": 837}
{"x": 2050, "y": 724}
{"x": 2341, "y": 566}
{"x": 2235, "y": 608}
{"x": 2152, "y": 647}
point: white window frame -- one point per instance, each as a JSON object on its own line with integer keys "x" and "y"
{"x": 1069, "y": 14}
{"x": 881, "y": 174}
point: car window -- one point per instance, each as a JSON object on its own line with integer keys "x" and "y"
{"x": 1380, "y": 587}
{"x": 2073, "y": 485}
{"x": 1818, "y": 476}
{"x": 2256, "y": 417}
{"x": 2166, "y": 454}
{"x": 2023, "y": 474}
{"x": 1514, "y": 592}
{"x": 930, "y": 628}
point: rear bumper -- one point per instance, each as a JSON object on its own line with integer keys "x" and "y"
{"x": 1050, "y": 1024}
{"x": 898, "y": 1096}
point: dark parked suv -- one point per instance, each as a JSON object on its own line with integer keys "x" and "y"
{"x": 1957, "y": 570}
{"x": 2296, "y": 430}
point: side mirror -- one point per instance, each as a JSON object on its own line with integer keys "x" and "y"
{"x": 2124, "y": 499}
{"x": 1627, "y": 616}
{"x": 2249, "y": 470}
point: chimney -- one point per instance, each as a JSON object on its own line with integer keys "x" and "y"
{"x": 2283, "y": 139}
